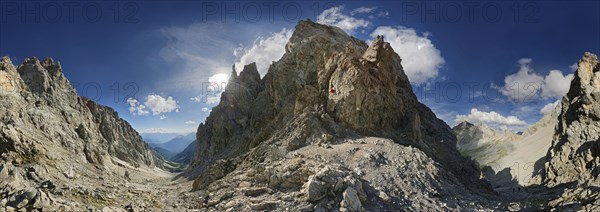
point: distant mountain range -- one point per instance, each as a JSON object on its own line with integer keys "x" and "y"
{"x": 186, "y": 155}
{"x": 172, "y": 147}
{"x": 158, "y": 137}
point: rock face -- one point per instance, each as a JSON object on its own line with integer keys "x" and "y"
{"x": 328, "y": 92}
{"x": 47, "y": 130}
{"x": 218, "y": 137}
{"x": 573, "y": 160}
{"x": 575, "y": 152}
{"x": 357, "y": 89}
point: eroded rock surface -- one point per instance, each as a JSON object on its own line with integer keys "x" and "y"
{"x": 574, "y": 157}
{"x": 51, "y": 137}
{"x": 293, "y": 140}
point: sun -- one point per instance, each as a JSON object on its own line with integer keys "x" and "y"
{"x": 219, "y": 80}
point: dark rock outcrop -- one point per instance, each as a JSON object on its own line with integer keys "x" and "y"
{"x": 220, "y": 135}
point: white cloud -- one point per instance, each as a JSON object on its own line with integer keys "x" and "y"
{"x": 523, "y": 85}
{"x": 206, "y": 110}
{"x": 263, "y": 51}
{"x": 196, "y": 99}
{"x": 213, "y": 89}
{"x": 420, "y": 59}
{"x": 523, "y": 110}
{"x": 136, "y": 108}
{"x": 208, "y": 99}
{"x": 362, "y": 10}
{"x": 190, "y": 122}
{"x": 556, "y": 85}
{"x": 492, "y": 119}
{"x": 383, "y": 14}
{"x": 334, "y": 16}
{"x": 549, "y": 107}
{"x": 526, "y": 84}
{"x": 213, "y": 100}
{"x": 157, "y": 104}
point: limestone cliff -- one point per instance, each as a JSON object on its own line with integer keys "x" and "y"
{"x": 359, "y": 89}
{"x": 47, "y": 130}
{"x": 575, "y": 151}
{"x": 287, "y": 135}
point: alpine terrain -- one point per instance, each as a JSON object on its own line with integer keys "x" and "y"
{"x": 334, "y": 125}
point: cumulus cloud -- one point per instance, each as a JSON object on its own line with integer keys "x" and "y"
{"x": 420, "y": 59}
{"x": 162, "y": 117}
{"x": 523, "y": 85}
{"x": 335, "y": 17}
{"x": 493, "y": 119}
{"x": 263, "y": 51}
{"x": 155, "y": 103}
{"x": 136, "y": 108}
{"x": 523, "y": 110}
{"x": 206, "y": 110}
{"x": 158, "y": 104}
{"x": 526, "y": 84}
{"x": 549, "y": 107}
{"x": 556, "y": 85}
{"x": 190, "y": 122}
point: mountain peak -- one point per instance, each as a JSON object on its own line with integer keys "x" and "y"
{"x": 586, "y": 78}
{"x": 327, "y": 88}
{"x": 463, "y": 126}
{"x": 307, "y": 32}
{"x": 7, "y": 65}
{"x": 250, "y": 73}
{"x": 575, "y": 158}
{"x": 374, "y": 52}
{"x": 5, "y": 60}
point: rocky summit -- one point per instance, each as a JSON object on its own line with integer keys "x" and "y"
{"x": 332, "y": 120}
{"x": 334, "y": 125}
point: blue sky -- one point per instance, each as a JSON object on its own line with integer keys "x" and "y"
{"x": 157, "y": 62}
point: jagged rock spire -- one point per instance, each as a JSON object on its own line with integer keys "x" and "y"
{"x": 575, "y": 152}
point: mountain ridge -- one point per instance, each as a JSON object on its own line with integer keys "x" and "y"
{"x": 50, "y": 134}
{"x": 328, "y": 92}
